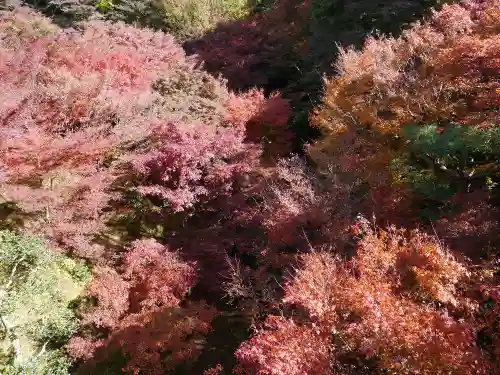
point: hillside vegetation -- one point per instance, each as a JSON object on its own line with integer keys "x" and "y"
{"x": 184, "y": 18}
{"x": 249, "y": 188}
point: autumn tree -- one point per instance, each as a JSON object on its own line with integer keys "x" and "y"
{"x": 96, "y": 123}
{"x": 426, "y": 89}
{"x": 371, "y": 308}
{"x": 138, "y": 317}
{"x": 93, "y": 114}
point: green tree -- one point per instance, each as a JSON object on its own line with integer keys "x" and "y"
{"x": 36, "y": 289}
{"x": 445, "y": 159}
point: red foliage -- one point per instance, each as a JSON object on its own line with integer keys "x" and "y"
{"x": 474, "y": 229}
{"x": 83, "y": 349}
{"x": 266, "y": 120}
{"x": 194, "y": 162}
{"x": 145, "y": 337}
{"x": 84, "y": 114}
{"x": 112, "y": 294}
{"x": 157, "y": 276}
{"x": 139, "y": 311}
{"x": 154, "y": 341}
{"x": 372, "y": 312}
{"x": 491, "y": 319}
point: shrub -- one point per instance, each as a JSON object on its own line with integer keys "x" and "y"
{"x": 65, "y": 12}
{"x": 399, "y": 74}
{"x": 447, "y": 160}
{"x": 158, "y": 276}
{"x": 371, "y": 314}
{"x": 151, "y": 277}
{"x": 37, "y": 288}
{"x": 185, "y": 19}
{"x": 192, "y": 18}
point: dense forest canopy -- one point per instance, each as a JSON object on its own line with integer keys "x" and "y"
{"x": 266, "y": 187}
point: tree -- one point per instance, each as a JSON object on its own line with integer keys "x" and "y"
{"x": 93, "y": 114}
{"x": 38, "y": 286}
{"x": 138, "y": 317}
{"x": 367, "y": 314}
{"x": 443, "y": 161}
{"x": 439, "y": 72}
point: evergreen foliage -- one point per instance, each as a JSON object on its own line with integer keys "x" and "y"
{"x": 443, "y": 160}
{"x": 38, "y": 288}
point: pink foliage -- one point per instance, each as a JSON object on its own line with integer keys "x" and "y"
{"x": 77, "y": 109}
{"x": 112, "y": 294}
{"x": 242, "y": 108}
{"x": 285, "y": 348}
{"x": 68, "y": 101}
{"x": 80, "y": 348}
{"x": 158, "y": 277}
{"x": 139, "y": 313}
{"x": 194, "y": 163}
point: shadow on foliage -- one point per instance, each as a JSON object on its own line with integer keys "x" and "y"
{"x": 155, "y": 342}
{"x": 292, "y": 46}
{"x": 142, "y": 13}
{"x": 68, "y": 13}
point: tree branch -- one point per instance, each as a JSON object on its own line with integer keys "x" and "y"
{"x": 12, "y": 274}
{"x": 13, "y": 339}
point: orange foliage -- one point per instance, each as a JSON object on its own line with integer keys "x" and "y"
{"x": 441, "y": 70}
{"x": 365, "y": 304}
{"x": 413, "y": 261}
